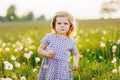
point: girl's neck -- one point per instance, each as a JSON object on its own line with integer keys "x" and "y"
{"x": 62, "y": 35}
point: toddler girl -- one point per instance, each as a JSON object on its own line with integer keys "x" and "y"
{"x": 57, "y": 47}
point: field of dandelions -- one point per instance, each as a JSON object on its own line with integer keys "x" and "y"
{"x": 98, "y": 42}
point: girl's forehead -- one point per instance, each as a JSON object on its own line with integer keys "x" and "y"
{"x": 62, "y": 19}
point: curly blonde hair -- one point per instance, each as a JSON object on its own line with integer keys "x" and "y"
{"x": 70, "y": 19}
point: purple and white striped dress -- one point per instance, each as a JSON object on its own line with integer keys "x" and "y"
{"x": 58, "y": 67}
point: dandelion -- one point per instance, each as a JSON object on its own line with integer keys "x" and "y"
{"x": 5, "y": 78}
{"x": 93, "y": 78}
{"x": 37, "y": 59}
{"x": 23, "y": 78}
{"x": 8, "y": 78}
{"x": 8, "y": 66}
{"x": 7, "y": 49}
{"x": 3, "y": 44}
{"x": 114, "y": 48}
{"x": 27, "y": 55}
{"x": 114, "y": 60}
{"x": 114, "y": 71}
{"x": 13, "y": 58}
{"x": 29, "y": 40}
{"x": 17, "y": 64}
{"x": 19, "y": 45}
{"x": 102, "y": 44}
{"x": 30, "y": 52}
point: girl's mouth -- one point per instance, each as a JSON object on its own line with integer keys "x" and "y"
{"x": 62, "y": 29}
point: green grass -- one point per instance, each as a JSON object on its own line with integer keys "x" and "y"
{"x": 20, "y": 38}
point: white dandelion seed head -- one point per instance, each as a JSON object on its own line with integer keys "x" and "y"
{"x": 113, "y": 50}
{"x": 3, "y": 44}
{"x": 13, "y": 58}
{"x": 114, "y": 71}
{"x": 102, "y": 44}
{"x": 30, "y": 52}
{"x": 23, "y": 78}
{"x": 37, "y": 59}
{"x": 7, "y": 49}
{"x": 114, "y": 60}
{"x": 27, "y": 55}
{"x": 8, "y": 66}
{"x": 114, "y": 47}
{"x": 17, "y": 65}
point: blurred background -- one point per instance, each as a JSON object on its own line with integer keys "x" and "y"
{"x": 23, "y": 10}
{"x": 23, "y": 23}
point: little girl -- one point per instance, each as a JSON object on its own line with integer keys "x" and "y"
{"x": 57, "y": 47}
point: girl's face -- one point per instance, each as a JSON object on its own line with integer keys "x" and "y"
{"x": 62, "y": 25}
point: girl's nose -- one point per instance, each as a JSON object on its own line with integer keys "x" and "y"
{"x": 62, "y": 25}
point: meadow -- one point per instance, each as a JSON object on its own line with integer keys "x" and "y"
{"x": 98, "y": 42}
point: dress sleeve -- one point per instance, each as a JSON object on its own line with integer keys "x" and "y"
{"x": 74, "y": 48}
{"x": 46, "y": 39}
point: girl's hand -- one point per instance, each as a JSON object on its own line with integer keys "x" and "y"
{"x": 75, "y": 67}
{"x": 50, "y": 54}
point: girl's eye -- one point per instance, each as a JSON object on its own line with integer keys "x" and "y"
{"x": 59, "y": 23}
{"x": 66, "y": 23}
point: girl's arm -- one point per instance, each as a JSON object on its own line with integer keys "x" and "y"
{"x": 76, "y": 60}
{"x": 42, "y": 51}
